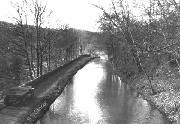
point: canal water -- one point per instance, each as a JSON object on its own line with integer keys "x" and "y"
{"x": 95, "y": 96}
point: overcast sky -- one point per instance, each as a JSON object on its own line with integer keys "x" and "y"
{"x": 78, "y": 14}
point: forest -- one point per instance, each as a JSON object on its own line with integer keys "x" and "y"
{"x": 144, "y": 49}
{"x": 31, "y": 49}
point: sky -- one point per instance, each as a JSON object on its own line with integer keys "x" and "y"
{"x": 78, "y": 14}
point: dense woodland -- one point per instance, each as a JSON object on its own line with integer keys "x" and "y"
{"x": 141, "y": 45}
{"x": 18, "y": 51}
{"x": 144, "y": 50}
{"x": 29, "y": 50}
{"x": 133, "y": 45}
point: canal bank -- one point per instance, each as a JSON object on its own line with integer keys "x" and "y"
{"x": 96, "y": 96}
{"x": 146, "y": 94}
{"x": 166, "y": 98}
{"x": 49, "y": 86}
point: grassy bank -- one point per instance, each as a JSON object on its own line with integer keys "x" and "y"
{"x": 166, "y": 96}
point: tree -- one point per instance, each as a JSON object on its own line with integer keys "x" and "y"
{"x": 120, "y": 22}
{"x": 23, "y": 43}
{"x": 16, "y": 68}
{"x": 145, "y": 40}
{"x": 126, "y": 51}
{"x": 39, "y": 12}
{"x": 26, "y": 10}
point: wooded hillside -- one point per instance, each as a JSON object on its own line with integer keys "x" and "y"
{"x": 18, "y": 51}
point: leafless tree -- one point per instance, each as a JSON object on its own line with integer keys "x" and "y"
{"x": 37, "y": 11}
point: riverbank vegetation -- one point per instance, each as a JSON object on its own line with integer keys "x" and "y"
{"x": 30, "y": 48}
{"x": 144, "y": 49}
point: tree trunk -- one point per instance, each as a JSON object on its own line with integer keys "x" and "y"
{"x": 29, "y": 66}
{"x": 41, "y": 61}
{"x": 49, "y": 56}
{"x": 32, "y": 58}
{"x": 38, "y": 46}
{"x": 37, "y": 55}
{"x": 134, "y": 52}
{"x": 137, "y": 60}
{"x": 27, "y": 54}
{"x": 37, "y": 60}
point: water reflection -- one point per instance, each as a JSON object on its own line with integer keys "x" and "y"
{"x": 85, "y": 90}
{"x": 97, "y": 97}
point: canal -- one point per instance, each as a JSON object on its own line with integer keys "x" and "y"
{"x": 95, "y": 96}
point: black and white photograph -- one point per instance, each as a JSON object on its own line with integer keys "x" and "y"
{"x": 89, "y": 61}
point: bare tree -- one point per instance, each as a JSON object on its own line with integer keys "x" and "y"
{"x": 121, "y": 21}
{"x": 37, "y": 11}
{"x": 21, "y": 19}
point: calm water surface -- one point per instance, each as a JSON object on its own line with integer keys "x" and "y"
{"x": 95, "y": 96}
